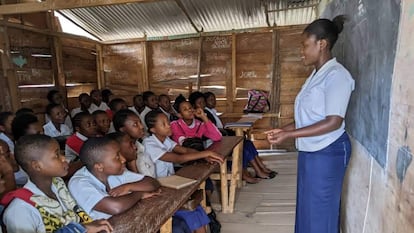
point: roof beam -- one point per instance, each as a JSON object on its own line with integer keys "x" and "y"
{"x": 180, "y": 4}
{"x": 31, "y": 7}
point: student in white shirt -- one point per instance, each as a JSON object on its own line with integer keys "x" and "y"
{"x": 85, "y": 102}
{"x": 138, "y": 104}
{"x": 56, "y": 126}
{"x": 97, "y": 103}
{"x": 54, "y": 97}
{"x": 319, "y": 129}
{"x": 151, "y": 103}
{"x": 104, "y": 187}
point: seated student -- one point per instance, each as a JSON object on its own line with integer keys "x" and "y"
{"x": 165, "y": 106}
{"x": 6, "y": 134}
{"x": 106, "y": 95}
{"x": 85, "y": 102}
{"x": 56, "y": 126}
{"x": 85, "y": 127}
{"x": 8, "y": 166}
{"x": 250, "y": 154}
{"x": 128, "y": 122}
{"x": 103, "y": 187}
{"x": 139, "y": 104}
{"x": 26, "y": 124}
{"x": 44, "y": 204}
{"x": 188, "y": 126}
{"x": 151, "y": 103}
{"x": 211, "y": 107}
{"x": 97, "y": 103}
{"x": 115, "y": 105}
{"x": 54, "y": 97}
{"x": 103, "y": 122}
{"x": 164, "y": 152}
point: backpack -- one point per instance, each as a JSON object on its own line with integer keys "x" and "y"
{"x": 258, "y": 101}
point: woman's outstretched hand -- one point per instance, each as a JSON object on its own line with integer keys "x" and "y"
{"x": 276, "y": 136}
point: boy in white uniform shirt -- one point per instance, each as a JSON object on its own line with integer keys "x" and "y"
{"x": 97, "y": 103}
{"x": 56, "y": 126}
{"x": 104, "y": 187}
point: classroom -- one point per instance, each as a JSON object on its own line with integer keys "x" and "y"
{"x": 282, "y": 82}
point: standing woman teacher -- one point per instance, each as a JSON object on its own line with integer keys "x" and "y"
{"x": 319, "y": 130}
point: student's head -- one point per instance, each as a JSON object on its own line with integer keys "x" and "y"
{"x": 85, "y": 100}
{"x": 102, "y": 155}
{"x": 138, "y": 101}
{"x": 8, "y": 155}
{"x": 56, "y": 112}
{"x": 197, "y": 100}
{"x": 6, "y": 119}
{"x": 22, "y": 111}
{"x": 26, "y": 124}
{"x": 117, "y": 104}
{"x": 186, "y": 110}
{"x": 158, "y": 123}
{"x": 96, "y": 97}
{"x": 127, "y": 144}
{"x": 84, "y": 123}
{"x": 106, "y": 93}
{"x": 164, "y": 102}
{"x": 150, "y": 99}
{"x": 128, "y": 122}
{"x": 178, "y": 100}
{"x": 210, "y": 99}
{"x": 39, "y": 155}
{"x": 102, "y": 121}
{"x": 319, "y": 37}
{"x": 54, "y": 97}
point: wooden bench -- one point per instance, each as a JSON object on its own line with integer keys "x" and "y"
{"x": 153, "y": 214}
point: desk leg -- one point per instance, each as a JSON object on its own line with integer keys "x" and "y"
{"x": 224, "y": 187}
{"x": 236, "y": 174}
{"x": 239, "y": 132}
{"x": 203, "y": 202}
{"x": 167, "y": 226}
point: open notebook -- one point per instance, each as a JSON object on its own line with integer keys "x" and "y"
{"x": 176, "y": 182}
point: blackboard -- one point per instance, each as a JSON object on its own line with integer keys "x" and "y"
{"x": 367, "y": 48}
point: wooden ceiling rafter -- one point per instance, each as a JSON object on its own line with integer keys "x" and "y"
{"x": 51, "y": 5}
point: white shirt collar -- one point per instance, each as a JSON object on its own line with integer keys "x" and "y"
{"x": 79, "y": 135}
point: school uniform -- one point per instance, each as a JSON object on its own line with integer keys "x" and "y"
{"x": 144, "y": 162}
{"x": 22, "y": 217}
{"x": 103, "y": 106}
{"x": 142, "y": 117}
{"x": 88, "y": 190}
{"x": 181, "y": 131}
{"x": 50, "y": 130}
{"x": 138, "y": 114}
{"x": 73, "y": 146}
{"x": 68, "y": 120}
{"x": 322, "y": 159}
{"x": 214, "y": 115}
{"x": 194, "y": 219}
{"x": 78, "y": 110}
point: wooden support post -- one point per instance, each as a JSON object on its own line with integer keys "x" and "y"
{"x": 231, "y": 80}
{"x": 13, "y": 88}
{"x": 224, "y": 187}
{"x": 276, "y": 79}
{"x": 99, "y": 67}
{"x": 200, "y": 54}
{"x": 190, "y": 88}
{"x": 167, "y": 227}
{"x": 145, "y": 80}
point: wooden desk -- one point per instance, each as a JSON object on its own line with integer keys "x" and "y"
{"x": 153, "y": 214}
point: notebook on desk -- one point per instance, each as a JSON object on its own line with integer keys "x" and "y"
{"x": 176, "y": 182}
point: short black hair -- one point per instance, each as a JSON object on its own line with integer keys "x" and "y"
{"x": 146, "y": 95}
{"x": 113, "y": 103}
{"x": 92, "y": 150}
{"x": 81, "y": 96}
{"x": 151, "y": 119}
{"x": 195, "y": 96}
{"x": 50, "y": 107}
{"x": 208, "y": 94}
{"x": 97, "y": 112}
{"x": 50, "y": 95}
{"x": 26, "y": 146}
{"x": 105, "y": 95}
{"x": 22, "y": 111}
{"x": 4, "y": 116}
{"x": 21, "y": 123}
{"x": 116, "y": 136}
{"x": 326, "y": 29}
{"x": 137, "y": 96}
{"x": 93, "y": 92}
{"x": 120, "y": 117}
{"x": 178, "y": 100}
{"x": 77, "y": 119}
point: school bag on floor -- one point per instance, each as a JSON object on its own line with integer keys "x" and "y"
{"x": 258, "y": 101}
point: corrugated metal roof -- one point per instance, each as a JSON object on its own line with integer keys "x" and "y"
{"x": 166, "y": 18}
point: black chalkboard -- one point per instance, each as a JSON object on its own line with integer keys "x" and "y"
{"x": 367, "y": 48}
